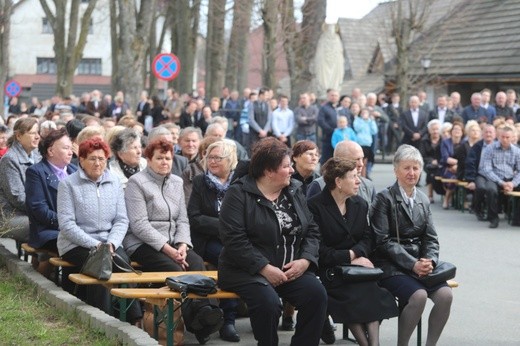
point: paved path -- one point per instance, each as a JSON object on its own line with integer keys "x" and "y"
{"x": 486, "y": 308}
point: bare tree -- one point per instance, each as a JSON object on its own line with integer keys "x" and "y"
{"x": 68, "y": 42}
{"x": 114, "y": 40}
{"x": 134, "y": 34}
{"x": 215, "y": 49}
{"x": 269, "y": 24}
{"x": 185, "y": 28}
{"x": 236, "y": 67}
{"x": 300, "y": 45}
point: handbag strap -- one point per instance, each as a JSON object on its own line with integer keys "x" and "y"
{"x": 128, "y": 268}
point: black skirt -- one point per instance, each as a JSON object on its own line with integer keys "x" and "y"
{"x": 360, "y": 302}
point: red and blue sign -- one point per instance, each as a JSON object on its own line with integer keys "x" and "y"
{"x": 166, "y": 66}
{"x": 12, "y": 88}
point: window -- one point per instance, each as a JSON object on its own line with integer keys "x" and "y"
{"x": 90, "y": 66}
{"x": 45, "y": 66}
{"x": 46, "y": 26}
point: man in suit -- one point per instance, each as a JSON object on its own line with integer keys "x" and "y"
{"x": 327, "y": 120}
{"x": 96, "y": 106}
{"x": 394, "y": 133}
{"x": 474, "y": 111}
{"x": 441, "y": 111}
{"x": 413, "y": 123}
{"x": 259, "y": 118}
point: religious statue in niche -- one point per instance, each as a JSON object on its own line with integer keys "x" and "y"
{"x": 329, "y": 61}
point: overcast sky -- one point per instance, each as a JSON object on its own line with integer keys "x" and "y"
{"x": 349, "y": 8}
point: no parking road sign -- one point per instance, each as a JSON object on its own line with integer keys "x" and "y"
{"x": 166, "y": 66}
{"x": 12, "y": 88}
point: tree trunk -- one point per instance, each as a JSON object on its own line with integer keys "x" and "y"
{"x": 269, "y": 17}
{"x": 185, "y": 24}
{"x": 300, "y": 46}
{"x": 236, "y": 67}
{"x": 134, "y": 34}
{"x": 114, "y": 40}
{"x": 151, "y": 55}
{"x": 215, "y": 48}
{"x": 68, "y": 49}
{"x": 5, "y": 29}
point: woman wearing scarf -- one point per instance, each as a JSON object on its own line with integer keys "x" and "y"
{"x": 127, "y": 153}
{"x": 203, "y": 210}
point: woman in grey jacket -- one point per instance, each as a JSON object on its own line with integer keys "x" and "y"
{"x": 159, "y": 235}
{"x": 91, "y": 211}
{"x": 22, "y": 154}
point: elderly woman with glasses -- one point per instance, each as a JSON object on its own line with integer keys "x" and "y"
{"x": 407, "y": 248}
{"x": 91, "y": 212}
{"x": 208, "y": 191}
{"x": 22, "y": 153}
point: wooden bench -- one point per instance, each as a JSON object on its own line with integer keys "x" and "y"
{"x": 29, "y": 250}
{"x": 124, "y": 279}
{"x": 157, "y": 297}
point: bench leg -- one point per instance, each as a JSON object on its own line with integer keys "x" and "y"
{"x": 170, "y": 323}
{"x": 419, "y": 332}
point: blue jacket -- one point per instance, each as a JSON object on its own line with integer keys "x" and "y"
{"x": 41, "y": 193}
{"x": 341, "y": 134}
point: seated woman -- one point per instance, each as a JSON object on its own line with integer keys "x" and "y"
{"x": 346, "y": 237}
{"x": 449, "y": 162}
{"x": 271, "y": 247}
{"x": 126, "y": 149}
{"x": 305, "y": 155}
{"x": 41, "y": 186}
{"x": 430, "y": 148}
{"x": 407, "y": 248}
{"x": 159, "y": 234}
{"x": 91, "y": 212}
{"x": 203, "y": 209}
{"x": 22, "y": 154}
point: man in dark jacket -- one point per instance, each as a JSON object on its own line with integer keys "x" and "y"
{"x": 327, "y": 120}
{"x": 413, "y": 123}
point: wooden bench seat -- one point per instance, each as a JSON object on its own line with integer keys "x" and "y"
{"x": 157, "y": 297}
{"x": 29, "y": 250}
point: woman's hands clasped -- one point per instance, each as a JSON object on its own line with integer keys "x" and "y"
{"x": 177, "y": 254}
{"x": 423, "y": 267}
{"x": 291, "y": 271}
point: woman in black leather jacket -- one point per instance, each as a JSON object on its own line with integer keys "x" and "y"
{"x": 410, "y": 252}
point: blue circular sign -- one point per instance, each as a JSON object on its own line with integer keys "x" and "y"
{"x": 166, "y": 66}
{"x": 12, "y": 88}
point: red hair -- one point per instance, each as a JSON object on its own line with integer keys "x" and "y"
{"x": 90, "y": 145}
{"x": 163, "y": 145}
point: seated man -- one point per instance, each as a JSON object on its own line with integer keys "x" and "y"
{"x": 477, "y": 182}
{"x": 499, "y": 165}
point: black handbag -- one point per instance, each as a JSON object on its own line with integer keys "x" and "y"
{"x": 100, "y": 261}
{"x": 356, "y": 273}
{"x": 442, "y": 272}
{"x": 192, "y": 283}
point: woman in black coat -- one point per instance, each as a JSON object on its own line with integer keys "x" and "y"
{"x": 271, "y": 247}
{"x": 407, "y": 248}
{"x": 204, "y": 205}
{"x": 346, "y": 238}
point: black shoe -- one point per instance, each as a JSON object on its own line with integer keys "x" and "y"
{"x": 327, "y": 333}
{"x": 202, "y": 338}
{"x": 481, "y": 216}
{"x": 287, "y": 323}
{"x": 229, "y": 333}
{"x": 494, "y": 223}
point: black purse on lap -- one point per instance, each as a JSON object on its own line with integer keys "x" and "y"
{"x": 192, "y": 283}
{"x": 355, "y": 273}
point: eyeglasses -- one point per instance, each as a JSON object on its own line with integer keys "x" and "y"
{"x": 94, "y": 159}
{"x": 216, "y": 159}
{"x": 311, "y": 154}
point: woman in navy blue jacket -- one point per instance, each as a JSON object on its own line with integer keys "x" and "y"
{"x": 41, "y": 191}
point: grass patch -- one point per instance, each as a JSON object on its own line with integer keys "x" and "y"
{"x": 25, "y": 319}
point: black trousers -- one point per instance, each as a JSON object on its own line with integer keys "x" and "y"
{"x": 152, "y": 260}
{"x": 480, "y": 194}
{"x": 306, "y": 293}
{"x": 491, "y": 191}
{"x": 96, "y": 295}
